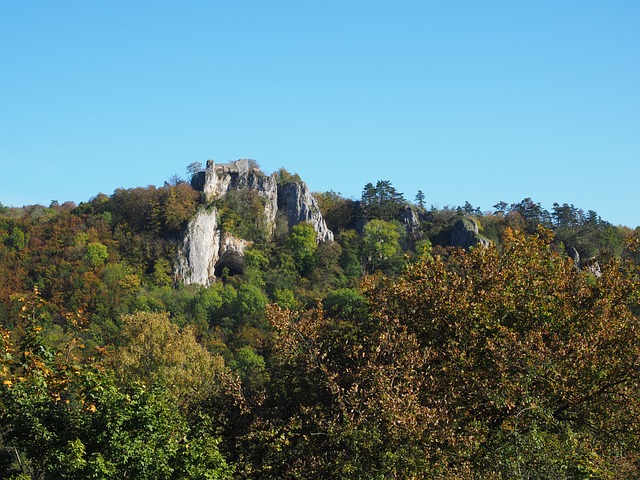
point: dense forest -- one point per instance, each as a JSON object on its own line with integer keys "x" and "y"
{"x": 418, "y": 343}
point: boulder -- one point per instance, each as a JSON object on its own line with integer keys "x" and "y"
{"x": 465, "y": 234}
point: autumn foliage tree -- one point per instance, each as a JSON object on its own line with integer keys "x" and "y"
{"x": 158, "y": 210}
{"x": 538, "y": 361}
{"x": 62, "y": 418}
{"x": 487, "y": 364}
{"x": 154, "y": 351}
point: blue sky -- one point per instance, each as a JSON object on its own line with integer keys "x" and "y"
{"x": 465, "y": 100}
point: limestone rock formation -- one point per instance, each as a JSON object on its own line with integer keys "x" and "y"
{"x": 411, "y": 222}
{"x": 465, "y": 234}
{"x": 205, "y": 252}
{"x": 591, "y": 265}
{"x": 219, "y": 179}
{"x": 231, "y": 255}
{"x": 298, "y": 205}
{"x": 574, "y": 255}
{"x": 199, "y": 250}
{"x": 241, "y": 174}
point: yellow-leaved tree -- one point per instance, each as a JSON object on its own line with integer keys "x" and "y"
{"x": 488, "y": 364}
{"x": 153, "y": 350}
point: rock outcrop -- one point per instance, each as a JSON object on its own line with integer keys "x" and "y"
{"x": 298, "y": 205}
{"x": 199, "y": 250}
{"x": 241, "y": 174}
{"x": 575, "y": 256}
{"x": 465, "y": 235}
{"x": 205, "y": 252}
{"x": 591, "y": 265}
{"x": 231, "y": 255}
{"x": 411, "y": 222}
{"x": 219, "y": 179}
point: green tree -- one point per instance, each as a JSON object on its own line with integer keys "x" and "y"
{"x": 381, "y": 245}
{"x": 422, "y": 249}
{"x": 351, "y": 254}
{"x": 255, "y": 264}
{"x": 469, "y": 209}
{"x": 154, "y": 351}
{"x": 250, "y": 304}
{"x": 566, "y": 216}
{"x": 532, "y": 213}
{"x": 530, "y": 353}
{"x": 501, "y": 208}
{"x": 338, "y": 212}
{"x": 285, "y": 298}
{"x": 177, "y": 205}
{"x": 97, "y": 254}
{"x": 346, "y": 303}
{"x": 64, "y": 419}
{"x": 420, "y": 197}
{"x": 303, "y": 244}
{"x": 242, "y": 214}
{"x": 194, "y": 168}
{"x": 251, "y": 367}
{"x": 17, "y": 239}
{"x": 162, "y": 273}
{"x": 382, "y": 202}
{"x": 283, "y": 177}
{"x": 138, "y": 208}
{"x": 487, "y": 364}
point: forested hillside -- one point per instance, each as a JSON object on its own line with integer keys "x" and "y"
{"x": 418, "y": 343}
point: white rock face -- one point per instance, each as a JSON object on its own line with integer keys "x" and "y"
{"x": 267, "y": 187}
{"x": 199, "y": 251}
{"x": 219, "y": 179}
{"x": 297, "y": 203}
{"x": 241, "y": 174}
{"x": 205, "y": 251}
{"x": 411, "y": 221}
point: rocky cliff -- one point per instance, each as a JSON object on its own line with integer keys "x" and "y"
{"x": 238, "y": 175}
{"x": 205, "y": 250}
{"x": 199, "y": 250}
{"x": 298, "y": 205}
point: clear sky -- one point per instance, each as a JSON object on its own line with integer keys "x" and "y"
{"x": 479, "y": 101}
